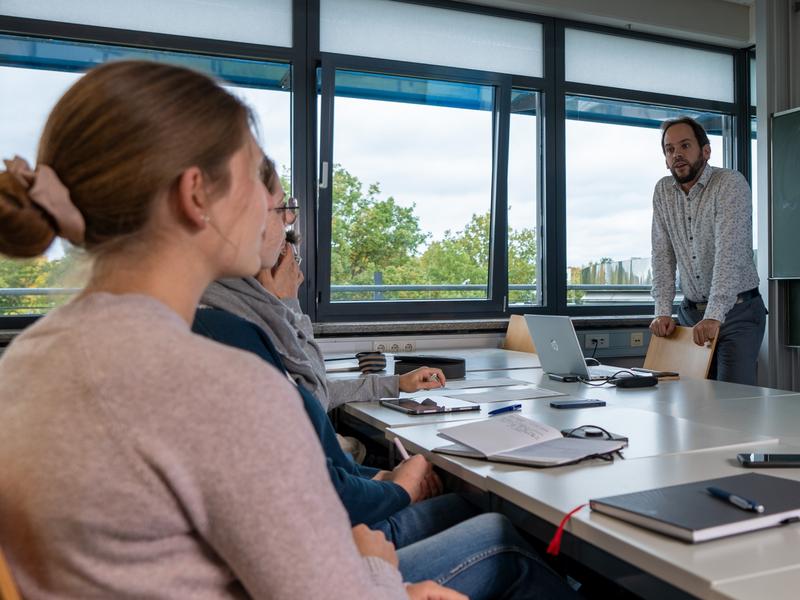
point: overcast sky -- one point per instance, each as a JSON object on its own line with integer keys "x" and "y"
{"x": 439, "y": 159}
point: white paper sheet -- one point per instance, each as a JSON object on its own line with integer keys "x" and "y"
{"x": 504, "y": 394}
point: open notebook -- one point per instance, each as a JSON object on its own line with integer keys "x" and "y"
{"x": 517, "y": 439}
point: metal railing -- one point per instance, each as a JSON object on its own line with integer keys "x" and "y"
{"x": 581, "y": 293}
{"x": 584, "y": 293}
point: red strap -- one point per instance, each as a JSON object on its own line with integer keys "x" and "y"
{"x": 555, "y": 544}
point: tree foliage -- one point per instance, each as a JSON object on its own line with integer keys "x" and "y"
{"x": 66, "y": 272}
{"x": 373, "y": 239}
{"x": 378, "y": 240}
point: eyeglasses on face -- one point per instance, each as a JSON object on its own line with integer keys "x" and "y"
{"x": 289, "y": 209}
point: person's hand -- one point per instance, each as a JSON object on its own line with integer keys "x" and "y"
{"x": 705, "y": 331}
{"x": 374, "y": 543}
{"x": 430, "y": 590}
{"x": 662, "y": 326}
{"x": 432, "y": 484}
{"x": 424, "y": 378}
{"x": 284, "y": 279}
{"x": 415, "y": 475}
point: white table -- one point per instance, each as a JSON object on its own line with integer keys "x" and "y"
{"x": 680, "y": 431}
{"x": 693, "y": 568}
{"x": 777, "y": 584}
{"x": 650, "y": 434}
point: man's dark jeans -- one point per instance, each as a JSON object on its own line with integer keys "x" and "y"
{"x": 739, "y": 340}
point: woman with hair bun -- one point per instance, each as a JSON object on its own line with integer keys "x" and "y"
{"x": 126, "y": 471}
{"x": 140, "y": 460}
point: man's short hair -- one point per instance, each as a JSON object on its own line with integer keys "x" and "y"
{"x": 699, "y": 132}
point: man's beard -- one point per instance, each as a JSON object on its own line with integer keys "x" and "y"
{"x": 694, "y": 169}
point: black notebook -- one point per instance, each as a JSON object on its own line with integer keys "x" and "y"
{"x": 688, "y": 512}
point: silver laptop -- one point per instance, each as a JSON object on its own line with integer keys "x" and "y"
{"x": 559, "y": 350}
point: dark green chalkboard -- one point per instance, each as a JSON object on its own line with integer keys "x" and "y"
{"x": 785, "y": 206}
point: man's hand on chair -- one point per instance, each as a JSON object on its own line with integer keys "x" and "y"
{"x": 662, "y": 326}
{"x": 705, "y": 331}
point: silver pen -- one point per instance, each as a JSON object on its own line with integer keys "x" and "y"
{"x": 736, "y": 500}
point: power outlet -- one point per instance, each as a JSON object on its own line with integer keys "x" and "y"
{"x": 637, "y": 339}
{"x": 600, "y": 338}
{"x": 394, "y": 346}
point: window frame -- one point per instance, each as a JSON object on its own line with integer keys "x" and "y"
{"x": 497, "y": 283}
{"x": 305, "y": 58}
{"x": 565, "y": 88}
{"x": 90, "y": 34}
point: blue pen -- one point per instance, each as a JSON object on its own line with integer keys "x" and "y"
{"x": 737, "y": 501}
{"x": 505, "y": 409}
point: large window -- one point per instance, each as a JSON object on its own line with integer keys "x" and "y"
{"x": 39, "y": 72}
{"x": 458, "y": 162}
{"x": 619, "y": 91}
{"x": 412, "y": 189}
{"x": 613, "y": 162}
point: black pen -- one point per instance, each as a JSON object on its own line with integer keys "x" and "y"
{"x": 737, "y": 501}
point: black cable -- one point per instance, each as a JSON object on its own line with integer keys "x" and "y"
{"x": 597, "y": 383}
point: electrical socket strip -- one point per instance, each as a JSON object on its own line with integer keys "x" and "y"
{"x": 394, "y": 346}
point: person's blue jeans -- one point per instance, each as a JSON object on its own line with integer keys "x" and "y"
{"x": 483, "y": 557}
{"x": 424, "y": 519}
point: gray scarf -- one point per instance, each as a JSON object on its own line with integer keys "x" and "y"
{"x": 290, "y": 330}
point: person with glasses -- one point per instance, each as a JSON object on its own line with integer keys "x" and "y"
{"x": 439, "y": 536}
{"x": 128, "y": 472}
{"x": 270, "y": 299}
{"x": 382, "y": 499}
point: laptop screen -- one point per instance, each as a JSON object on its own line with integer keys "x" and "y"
{"x": 557, "y": 344}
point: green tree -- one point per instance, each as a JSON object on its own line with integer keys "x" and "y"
{"x": 461, "y": 257}
{"x": 69, "y": 271}
{"x": 368, "y": 234}
{"x": 522, "y": 263}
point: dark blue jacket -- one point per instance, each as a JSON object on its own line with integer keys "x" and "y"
{"x": 367, "y": 501}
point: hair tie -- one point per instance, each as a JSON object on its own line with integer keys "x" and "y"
{"x": 48, "y": 193}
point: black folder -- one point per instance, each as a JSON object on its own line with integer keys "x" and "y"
{"x": 688, "y": 512}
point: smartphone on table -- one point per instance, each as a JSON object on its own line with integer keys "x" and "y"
{"x": 755, "y": 460}
{"x": 582, "y": 403}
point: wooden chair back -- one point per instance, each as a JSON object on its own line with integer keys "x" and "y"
{"x": 518, "y": 336}
{"x": 8, "y": 591}
{"x": 678, "y": 352}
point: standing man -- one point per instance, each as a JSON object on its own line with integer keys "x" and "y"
{"x": 702, "y": 224}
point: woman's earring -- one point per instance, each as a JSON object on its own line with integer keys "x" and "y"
{"x": 206, "y": 218}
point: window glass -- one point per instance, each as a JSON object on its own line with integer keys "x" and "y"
{"x": 428, "y": 35}
{"x": 613, "y": 161}
{"x": 616, "y": 61}
{"x": 44, "y": 70}
{"x": 523, "y": 200}
{"x": 411, "y": 189}
{"x": 267, "y": 22}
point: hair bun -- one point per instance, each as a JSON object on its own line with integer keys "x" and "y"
{"x": 25, "y": 230}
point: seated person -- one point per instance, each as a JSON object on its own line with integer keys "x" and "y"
{"x": 400, "y": 503}
{"x": 128, "y": 472}
{"x": 270, "y": 301}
